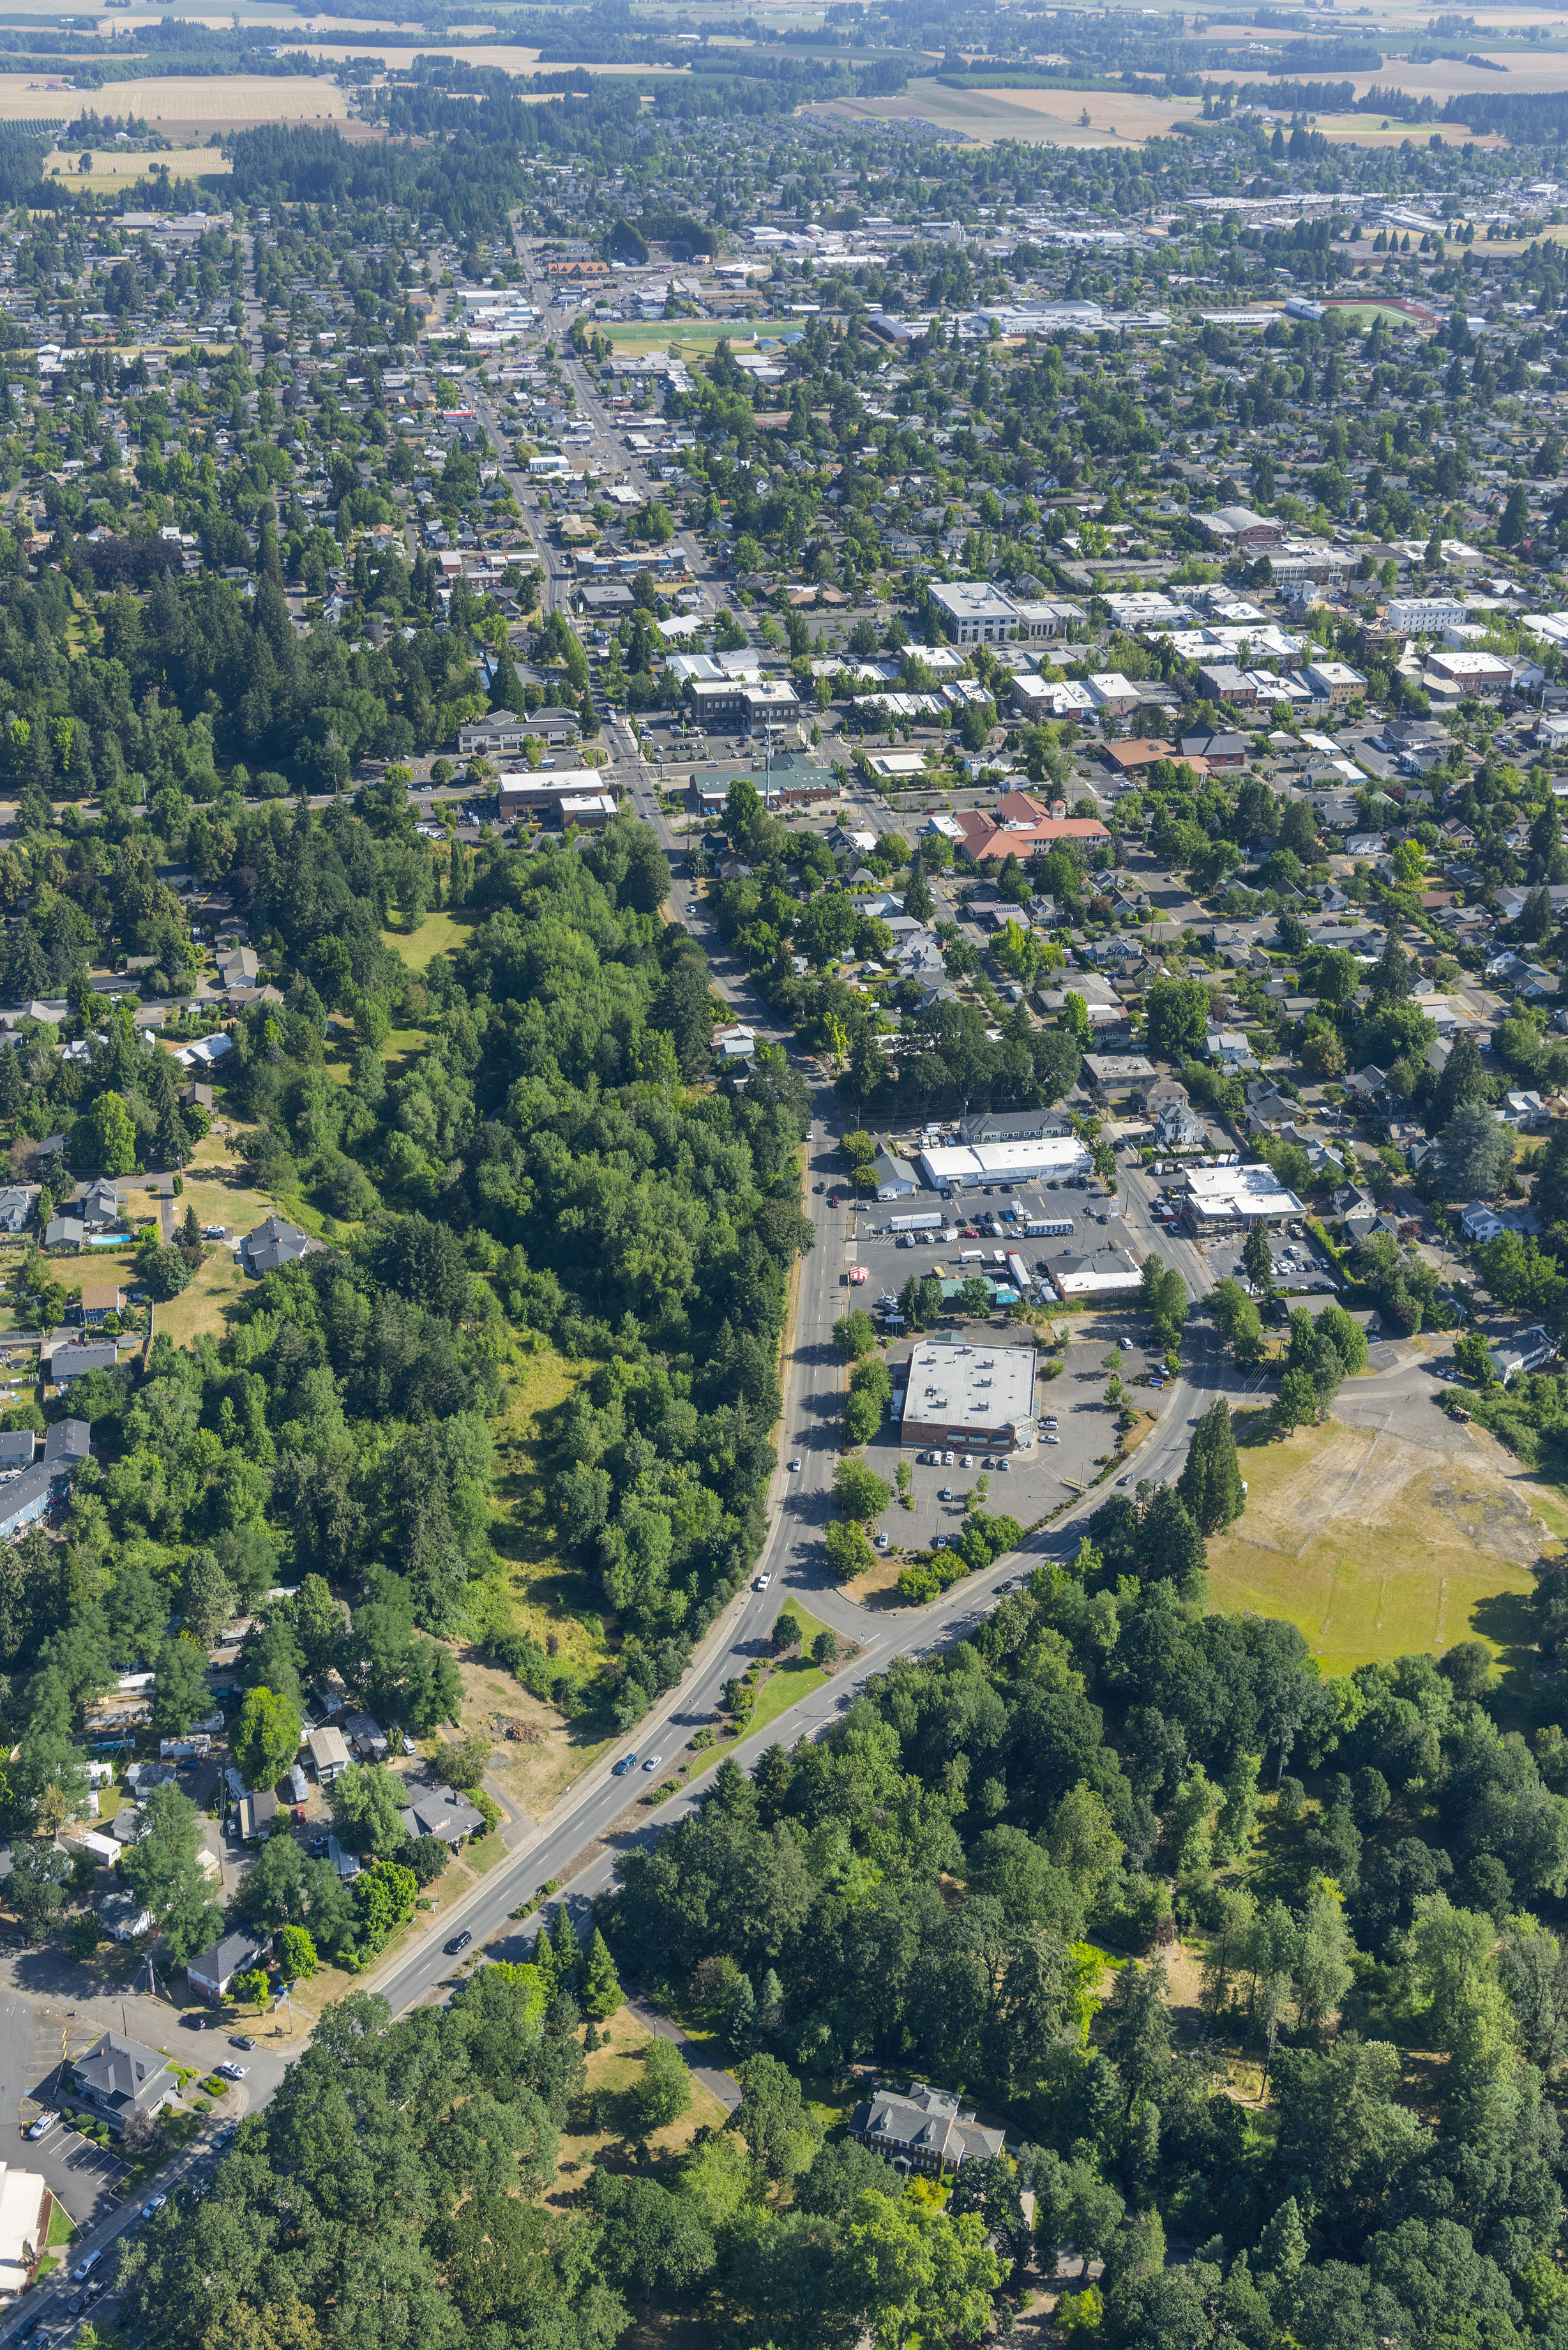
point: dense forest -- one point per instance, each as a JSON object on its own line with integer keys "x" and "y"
{"x": 533, "y": 1169}
{"x": 1365, "y": 1862}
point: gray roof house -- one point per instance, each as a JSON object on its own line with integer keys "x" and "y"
{"x": 272, "y": 1244}
{"x": 925, "y": 2130}
{"x": 894, "y": 1176}
{"x": 118, "y": 2077}
{"x": 445, "y": 1814}
{"x": 210, "y": 1973}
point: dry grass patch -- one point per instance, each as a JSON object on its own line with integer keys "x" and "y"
{"x": 1356, "y": 1536}
{"x": 613, "y": 2071}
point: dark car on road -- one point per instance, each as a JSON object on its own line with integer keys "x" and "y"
{"x": 458, "y": 1943}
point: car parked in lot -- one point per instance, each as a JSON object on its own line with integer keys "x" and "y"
{"x": 946, "y": 1494}
{"x": 241, "y": 2040}
{"x": 42, "y": 2125}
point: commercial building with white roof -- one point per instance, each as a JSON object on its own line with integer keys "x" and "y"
{"x": 1055, "y": 1156}
{"x": 968, "y": 1395}
{"x": 1227, "y": 1196}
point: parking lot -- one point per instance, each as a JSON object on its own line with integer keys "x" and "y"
{"x": 1033, "y": 1483}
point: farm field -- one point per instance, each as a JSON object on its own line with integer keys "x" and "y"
{"x": 170, "y": 102}
{"x": 1054, "y": 117}
{"x": 1376, "y": 1547}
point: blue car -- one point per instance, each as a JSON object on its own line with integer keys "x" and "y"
{"x": 627, "y": 1762}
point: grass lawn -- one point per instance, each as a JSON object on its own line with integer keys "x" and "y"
{"x": 439, "y": 933}
{"x": 795, "y": 1677}
{"x": 1357, "y": 1538}
{"x": 62, "y": 2226}
{"x": 613, "y": 2071}
{"x": 701, "y": 335}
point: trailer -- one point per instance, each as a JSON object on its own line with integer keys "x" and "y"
{"x": 1015, "y": 1266}
{"x": 930, "y": 1221}
{"x": 1048, "y": 1228}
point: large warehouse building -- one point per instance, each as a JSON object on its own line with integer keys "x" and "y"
{"x": 979, "y": 1397}
{"x": 1050, "y": 1156}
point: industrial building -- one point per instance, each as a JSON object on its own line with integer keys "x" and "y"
{"x": 1046, "y": 1158}
{"x": 979, "y": 1397}
{"x": 1220, "y": 1199}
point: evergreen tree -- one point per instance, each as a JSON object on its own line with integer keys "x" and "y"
{"x": 1210, "y": 1483}
{"x": 741, "y": 2017}
{"x": 1464, "y": 1079}
{"x": 602, "y": 1993}
{"x": 567, "y": 1948}
{"x": 1256, "y": 1262}
{"x": 918, "y": 903}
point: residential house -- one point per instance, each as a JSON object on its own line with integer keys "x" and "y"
{"x": 15, "y": 1207}
{"x": 895, "y": 1179}
{"x": 99, "y": 1209}
{"x": 925, "y": 2130}
{"x": 100, "y": 1299}
{"x": 118, "y": 2077}
{"x": 256, "y": 1814}
{"x": 210, "y": 1973}
{"x": 272, "y": 1244}
{"x": 121, "y": 1916}
{"x": 366, "y": 1737}
{"x": 73, "y": 1360}
{"x": 1356, "y": 1209}
{"x": 1528, "y": 1352}
{"x": 330, "y": 1753}
{"x": 1527, "y": 1112}
{"x": 1229, "y": 1047}
{"x": 443, "y": 1812}
{"x": 1369, "y": 1084}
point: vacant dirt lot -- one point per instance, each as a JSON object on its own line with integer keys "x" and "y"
{"x": 1376, "y": 1548}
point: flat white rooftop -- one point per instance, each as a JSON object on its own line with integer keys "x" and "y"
{"x": 1244, "y": 1191}
{"x": 1004, "y": 1162}
{"x": 978, "y": 1390}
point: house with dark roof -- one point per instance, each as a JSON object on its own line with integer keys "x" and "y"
{"x": 210, "y": 1974}
{"x": 442, "y": 1813}
{"x": 272, "y": 1244}
{"x": 924, "y": 2130}
{"x": 118, "y": 2077}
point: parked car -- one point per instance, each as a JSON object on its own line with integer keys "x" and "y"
{"x": 156, "y": 2205}
{"x": 42, "y": 2125}
{"x": 79, "y": 2275}
{"x": 228, "y": 2071}
{"x": 241, "y": 2040}
{"x": 946, "y": 1494}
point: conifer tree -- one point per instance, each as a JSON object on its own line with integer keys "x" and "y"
{"x": 602, "y": 1993}
{"x": 1210, "y": 1483}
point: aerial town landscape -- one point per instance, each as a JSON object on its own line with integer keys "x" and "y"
{"x": 784, "y": 1242}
